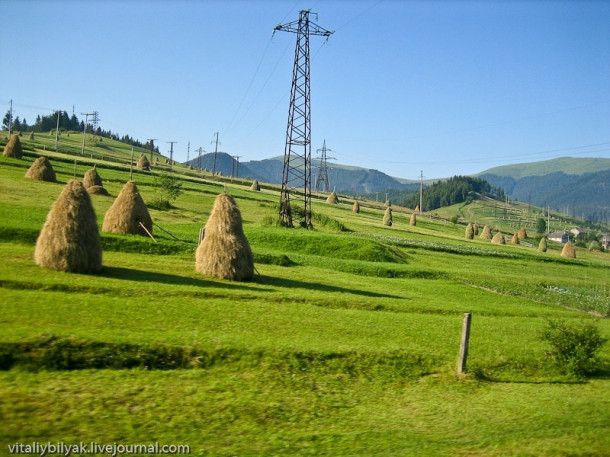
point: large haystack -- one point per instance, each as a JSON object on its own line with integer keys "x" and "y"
{"x": 13, "y": 148}
{"x": 42, "y": 170}
{"x": 469, "y": 232}
{"x": 97, "y": 190}
{"x": 356, "y": 207}
{"x": 522, "y": 234}
{"x": 515, "y": 239}
{"x": 413, "y": 220}
{"x": 70, "y": 239}
{"x": 127, "y": 212}
{"x": 92, "y": 178}
{"x": 332, "y": 198}
{"x": 568, "y": 251}
{"x": 255, "y": 186}
{"x": 486, "y": 234}
{"x": 224, "y": 251}
{"x": 498, "y": 238}
{"x": 387, "y": 217}
{"x": 143, "y": 163}
{"x": 542, "y": 247}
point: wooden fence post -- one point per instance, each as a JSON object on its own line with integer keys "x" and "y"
{"x": 464, "y": 343}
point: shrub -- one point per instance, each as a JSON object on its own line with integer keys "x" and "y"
{"x": 454, "y": 219}
{"x": 168, "y": 189}
{"x": 574, "y": 348}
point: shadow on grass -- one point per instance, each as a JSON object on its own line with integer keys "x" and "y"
{"x": 132, "y": 274}
{"x": 291, "y": 283}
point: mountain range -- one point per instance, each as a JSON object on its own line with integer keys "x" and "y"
{"x": 577, "y": 186}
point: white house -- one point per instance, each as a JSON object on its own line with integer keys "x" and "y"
{"x": 560, "y": 237}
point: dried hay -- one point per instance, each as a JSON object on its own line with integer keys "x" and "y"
{"x": 31, "y": 137}
{"x": 92, "y": 178}
{"x": 475, "y": 229}
{"x": 542, "y": 247}
{"x": 417, "y": 209}
{"x": 156, "y": 162}
{"x": 387, "y": 204}
{"x": 498, "y": 238}
{"x": 413, "y": 220}
{"x": 13, "y": 148}
{"x": 387, "y": 217}
{"x": 332, "y": 198}
{"x": 356, "y": 207}
{"x": 42, "y": 170}
{"x": 70, "y": 240}
{"x": 515, "y": 239}
{"x": 224, "y": 251}
{"x": 469, "y": 232}
{"x": 127, "y": 212}
{"x": 568, "y": 251}
{"x": 522, "y": 234}
{"x": 97, "y": 190}
{"x": 255, "y": 186}
{"x": 143, "y": 163}
{"x": 486, "y": 234}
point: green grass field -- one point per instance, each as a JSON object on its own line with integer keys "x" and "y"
{"x": 346, "y": 342}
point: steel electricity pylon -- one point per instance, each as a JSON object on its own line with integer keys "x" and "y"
{"x": 322, "y": 182}
{"x": 297, "y": 152}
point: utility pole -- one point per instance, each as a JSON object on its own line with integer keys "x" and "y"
{"x": 421, "y": 191}
{"x": 94, "y": 121}
{"x": 236, "y": 162}
{"x": 82, "y": 152}
{"x": 57, "y": 131}
{"x": 548, "y": 225}
{"x": 188, "y": 152}
{"x": 152, "y": 147}
{"x": 322, "y": 182}
{"x": 297, "y": 151}
{"x": 215, "y": 153}
{"x": 171, "y": 154}
{"x": 199, "y": 157}
{"x": 10, "y": 119}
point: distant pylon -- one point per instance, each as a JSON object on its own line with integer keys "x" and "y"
{"x": 297, "y": 152}
{"x": 322, "y": 182}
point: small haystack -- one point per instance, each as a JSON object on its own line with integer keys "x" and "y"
{"x": 92, "y": 178}
{"x": 542, "y": 247}
{"x": 387, "y": 204}
{"x": 42, "y": 170}
{"x": 31, "y": 137}
{"x": 143, "y": 163}
{"x": 568, "y": 251}
{"x": 498, "y": 238}
{"x": 332, "y": 198}
{"x": 387, "y": 217}
{"x": 469, "y": 232}
{"x": 515, "y": 239}
{"x": 97, "y": 190}
{"x": 417, "y": 209}
{"x": 70, "y": 240}
{"x": 127, "y": 212}
{"x": 413, "y": 220}
{"x": 522, "y": 234}
{"x": 224, "y": 251}
{"x": 356, "y": 207}
{"x": 13, "y": 148}
{"x": 255, "y": 186}
{"x": 156, "y": 162}
{"x": 475, "y": 229}
{"x": 486, "y": 234}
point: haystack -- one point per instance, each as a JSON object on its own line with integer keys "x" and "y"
{"x": 70, "y": 239}
{"x": 356, "y": 207}
{"x": 387, "y": 217}
{"x": 97, "y": 190}
{"x": 332, "y": 198}
{"x": 568, "y": 251}
{"x": 127, "y": 212}
{"x": 417, "y": 209}
{"x": 388, "y": 204}
{"x": 224, "y": 251}
{"x": 13, "y": 148}
{"x": 515, "y": 239}
{"x": 255, "y": 186}
{"x": 42, "y": 170}
{"x": 469, "y": 232}
{"x": 143, "y": 163}
{"x": 522, "y": 234}
{"x": 92, "y": 178}
{"x": 475, "y": 229}
{"x": 156, "y": 162}
{"x": 413, "y": 220}
{"x": 486, "y": 234}
{"x": 31, "y": 137}
{"x": 498, "y": 238}
{"x": 542, "y": 247}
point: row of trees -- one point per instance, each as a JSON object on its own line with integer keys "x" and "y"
{"x": 47, "y": 123}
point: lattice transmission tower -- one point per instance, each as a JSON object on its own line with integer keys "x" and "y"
{"x": 322, "y": 182}
{"x": 297, "y": 152}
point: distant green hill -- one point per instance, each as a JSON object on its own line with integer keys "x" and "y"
{"x": 567, "y": 165}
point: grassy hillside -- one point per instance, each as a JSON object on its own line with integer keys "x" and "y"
{"x": 344, "y": 344}
{"x": 567, "y": 165}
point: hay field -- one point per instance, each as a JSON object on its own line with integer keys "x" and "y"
{"x": 345, "y": 343}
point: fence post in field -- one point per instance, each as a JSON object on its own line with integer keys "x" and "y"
{"x": 464, "y": 343}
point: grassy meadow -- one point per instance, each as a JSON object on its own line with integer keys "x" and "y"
{"x": 345, "y": 343}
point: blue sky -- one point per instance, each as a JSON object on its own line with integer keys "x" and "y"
{"x": 402, "y": 86}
